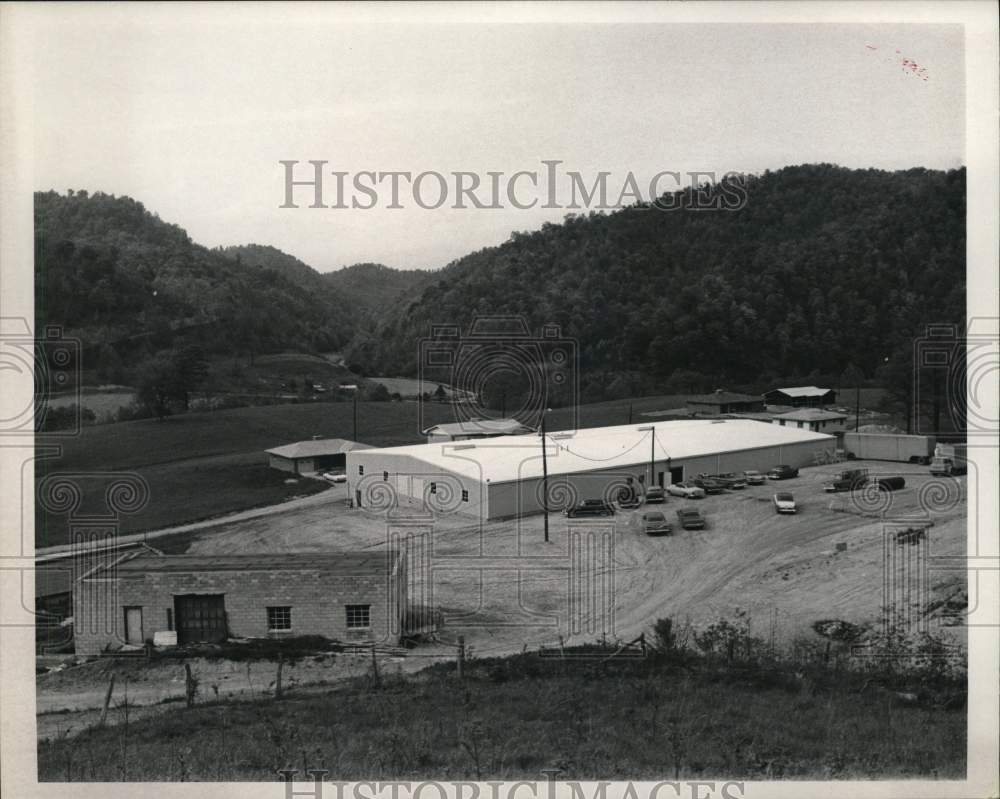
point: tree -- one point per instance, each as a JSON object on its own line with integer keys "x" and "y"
{"x": 440, "y": 395}
{"x": 378, "y": 393}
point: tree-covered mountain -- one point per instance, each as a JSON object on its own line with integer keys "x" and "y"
{"x": 375, "y": 287}
{"x": 823, "y": 268}
{"x": 128, "y": 285}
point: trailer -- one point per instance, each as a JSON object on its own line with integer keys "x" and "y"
{"x": 889, "y": 447}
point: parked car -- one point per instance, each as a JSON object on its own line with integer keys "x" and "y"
{"x": 890, "y": 483}
{"x": 782, "y": 472}
{"x": 708, "y": 484}
{"x": 690, "y": 519}
{"x": 652, "y": 522}
{"x": 784, "y": 503}
{"x": 334, "y": 477}
{"x": 753, "y": 477}
{"x": 591, "y": 507}
{"x": 628, "y": 501}
{"x": 655, "y": 494}
{"x": 686, "y": 490}
{"x": 848, "y": 480}
{"x": 731, "y": 480}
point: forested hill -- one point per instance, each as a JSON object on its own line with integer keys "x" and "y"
{"x": 374, "y": 287}
{"x": 128, "y": 284}
{"x": 824, "y": 267}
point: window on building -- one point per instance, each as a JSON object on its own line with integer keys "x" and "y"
{"x": 385, "y": 476}
{"x": 465, "y": 495}
{"x": 359, "y": 617}
{"x": 361, "y": 469}
{"x": 170, "y": 618}
{"x": 434, "y": 488}
{"x": 279, "y": 618}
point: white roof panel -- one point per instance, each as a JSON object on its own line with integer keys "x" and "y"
{"x": 511, "y": 458}
{"x": 804, "y": 391}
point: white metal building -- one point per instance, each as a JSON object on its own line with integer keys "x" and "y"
{"x": 503, "y": 477}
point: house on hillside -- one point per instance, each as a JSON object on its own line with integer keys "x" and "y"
{"x": 801, "y": 396}
{"x": 344, "y": 596}
{"x": 721, "y": 402}
{"x": 476, "y": 428}
{"x": 315, "y": 455}
{"x": 815, "y": 419}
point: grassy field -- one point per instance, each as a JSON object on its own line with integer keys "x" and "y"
{"x": 629, "y": 719}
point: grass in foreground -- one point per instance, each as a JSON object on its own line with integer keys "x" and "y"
{"x": 651, "y": 718}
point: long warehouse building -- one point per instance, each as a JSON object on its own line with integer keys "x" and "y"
{"x": 501, "y": 477}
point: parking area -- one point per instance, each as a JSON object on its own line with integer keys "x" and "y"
{"x": 502, "y": 586}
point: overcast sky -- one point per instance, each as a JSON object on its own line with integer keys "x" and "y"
{"x": 192, "y": 118}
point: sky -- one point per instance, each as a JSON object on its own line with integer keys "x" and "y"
{"x": 192, "y": 115}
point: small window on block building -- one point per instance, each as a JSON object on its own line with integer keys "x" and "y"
{"x": 279, "y": 619}
{"x": 359, "y": 617}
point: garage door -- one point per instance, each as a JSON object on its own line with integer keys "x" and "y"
{"x": 201, "y": 618}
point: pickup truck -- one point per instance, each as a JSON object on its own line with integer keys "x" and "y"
{"x": 690, "y": 519}
{"x": 848, "y": 480}
{"x": 948, "y": 460}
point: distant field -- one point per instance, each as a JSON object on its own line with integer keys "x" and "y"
{"x": 204, "y": 464}
{"x": 100, "y": 402}
{"x": 408, "y": 387}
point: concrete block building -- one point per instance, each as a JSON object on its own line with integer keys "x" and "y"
{"x": 503, "y": 477}
{"x": 350, "y": 597}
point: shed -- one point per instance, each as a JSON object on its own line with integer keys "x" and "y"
{"x": 816, "y": 419}
{"x": 314, "y": 455}
{"x": 721, "y": 402}
{"x": 475, "y": 428}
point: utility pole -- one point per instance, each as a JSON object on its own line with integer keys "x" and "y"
{"x": 545, "y": 480}
{"x": 652, "y": 458}
{"x": 355, "y": 414}
{"x": 857, "y": 407}
{"x": 630, "y": 413}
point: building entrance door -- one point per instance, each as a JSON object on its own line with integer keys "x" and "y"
{"x": 676, "y": 474}
{"x": 201, "y": 618}
{"x": 133, "y": 625}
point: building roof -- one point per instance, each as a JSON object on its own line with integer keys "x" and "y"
{"x": 343, "y": 563}
{"x": 804, "y": 391}
{"x": 514, "y": 458}
{"x": 316, "y": 447}
{"x": 480, "y": 427}
{"x": 811, "y": 415}
{"x": 720, "y": 396}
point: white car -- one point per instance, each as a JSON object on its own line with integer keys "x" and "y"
{"x": 334, "y": 478}
{"x": 784, "y": 503}
{"x": 686, "y": 490}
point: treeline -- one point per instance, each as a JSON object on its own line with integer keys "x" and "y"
{"x": 825, "y": 270}
{"x": 131, "y": 286}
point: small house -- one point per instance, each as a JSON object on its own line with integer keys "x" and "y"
{"x": 315, "y": 455}
{"x": 801, "y": 396}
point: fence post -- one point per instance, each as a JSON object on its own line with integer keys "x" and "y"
{"x": 107, "y": 700}
{"x": 461, "y": 655}
{"x": 190, "y": 685}
{"x": 277, "y": 679}
{"x": 375, "y": 675}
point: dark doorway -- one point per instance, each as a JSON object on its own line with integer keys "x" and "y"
{"x": 676, "y": 474}
{"x": 200, "y": 618}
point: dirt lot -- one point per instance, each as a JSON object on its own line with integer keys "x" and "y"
{"x": 503, "y": 588}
